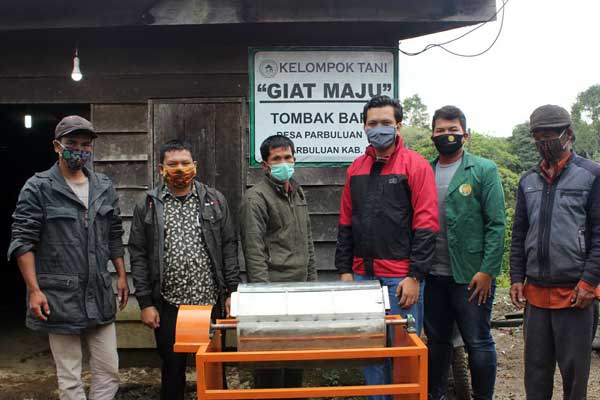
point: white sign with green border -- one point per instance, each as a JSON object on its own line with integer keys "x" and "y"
{"x": 315, "y": 96}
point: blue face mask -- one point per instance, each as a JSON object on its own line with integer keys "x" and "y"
{"x": 381, "y": 137}
{"x": 282, "y": 171}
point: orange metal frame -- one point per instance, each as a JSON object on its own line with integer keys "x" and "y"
{"x": 193, "y": 336}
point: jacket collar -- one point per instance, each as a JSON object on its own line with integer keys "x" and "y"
{"x": 59, "y": 183}
{"x": 467, "y": 161}
{"x": 278, "y": 187}
{"x": 199, "y": 190}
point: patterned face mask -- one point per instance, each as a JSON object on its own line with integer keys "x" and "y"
{"x": 179, "y": 177}
{"x": 74, "y": 157}
{"x": 551, "y": 149}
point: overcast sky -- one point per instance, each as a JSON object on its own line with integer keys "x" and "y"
{"x": 547, "y": 53}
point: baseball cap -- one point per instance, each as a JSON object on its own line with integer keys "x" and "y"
{"x": 71, "y": 124}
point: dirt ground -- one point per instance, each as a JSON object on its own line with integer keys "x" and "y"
{"x": 27, "y": 371}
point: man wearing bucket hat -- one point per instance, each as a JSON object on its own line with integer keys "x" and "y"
{"x": 555, "y": 258}
{"x": 67, "y": 225}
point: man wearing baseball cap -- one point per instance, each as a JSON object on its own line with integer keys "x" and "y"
{"x": 555, "y": 258}
{"x": 67, "y": 225}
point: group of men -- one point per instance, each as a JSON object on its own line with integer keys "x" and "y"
{"x": 432, "y": 232}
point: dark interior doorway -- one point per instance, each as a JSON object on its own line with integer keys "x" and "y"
{"x": 23, "y": 151}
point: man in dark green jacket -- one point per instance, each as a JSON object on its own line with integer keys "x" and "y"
{"x": 460, "y": 286}
{"x": 276, "y": 235}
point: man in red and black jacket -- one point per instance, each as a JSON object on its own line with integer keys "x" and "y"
{"x": 388, "y": 217}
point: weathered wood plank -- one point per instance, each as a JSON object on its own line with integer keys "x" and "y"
{"x": 121, "y": 89}
{"x": 200, "y": 132}
{"x": 128, "y": 198}
{"x": 325, "y": 256}
{"x": 323, "y": 199}
{"x": 125, "y": 173}
{"x": 324, "y": 227}
{"x": 168, "y": 123}
{"x": 121, "y": 146}
{"x": 306, "y": 175}
{"x": 229, "y": 129}
{"x": 35, "y": 15}
{"x": 120, "y": 118}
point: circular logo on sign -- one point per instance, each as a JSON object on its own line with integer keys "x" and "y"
{"x": 451, "y": 138}
{"x": 465, "y": 189}
{"x": 268, "y": 68}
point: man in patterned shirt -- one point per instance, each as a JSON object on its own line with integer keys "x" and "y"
{"x": 183, "y": 251}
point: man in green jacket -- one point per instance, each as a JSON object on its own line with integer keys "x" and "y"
{"x": 276, "y": 236}
{"x": 460, "y": 286}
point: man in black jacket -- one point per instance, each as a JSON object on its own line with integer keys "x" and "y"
{"x": 183, "y": 251}
{"x": 555, "y": 258}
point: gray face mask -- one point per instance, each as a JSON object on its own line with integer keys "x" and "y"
{"x": 381, "y": 137}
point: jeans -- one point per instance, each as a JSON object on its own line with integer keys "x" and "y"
{"x": 447, "y": 303}
{"x": 382, "y": 374}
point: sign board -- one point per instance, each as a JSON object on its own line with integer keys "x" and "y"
{"x": 315, "y": 96}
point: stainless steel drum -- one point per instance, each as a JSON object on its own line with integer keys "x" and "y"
{"x": 311, "y": 315}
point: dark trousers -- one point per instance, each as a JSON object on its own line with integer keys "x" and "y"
{"x": 172, "y": 370}
{"x": 447, "y": 303}
{"x": 561, "y": 336}
{"x": 172, "y": 364}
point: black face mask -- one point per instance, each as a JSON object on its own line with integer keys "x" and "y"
{"x": 448, "y": 144}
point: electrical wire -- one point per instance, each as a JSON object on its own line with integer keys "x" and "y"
{"x": 441, "y": 45}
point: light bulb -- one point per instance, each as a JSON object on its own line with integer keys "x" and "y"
{"x": 76, "y": 74}
{"x": 28, "y": 121}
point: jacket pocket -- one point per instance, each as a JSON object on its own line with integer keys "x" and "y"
{"x": 62, "y": 293}
{"x": 61, "y": 224}
{"x": 109, "y": 303}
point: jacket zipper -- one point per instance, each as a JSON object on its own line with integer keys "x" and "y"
{"x": 542, "y": 248}
{"x": 546, "y": 228}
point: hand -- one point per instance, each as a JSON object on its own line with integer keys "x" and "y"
{"x": 122, "y": 292}
{"x": 516, "y": 295}
{"x": 581, "y": 298}
{"x": 482, "y": 283}
{"x": 150, "y": 317}
{"x": 346, "y": 277}
{"x": 38, "y": 305}
{"x": 228, "y": 307}
{"x": 408, "y": 291}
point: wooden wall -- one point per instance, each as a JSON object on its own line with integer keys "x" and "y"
{"x": 126, "y": 79}
{"x": 123, "y": 151}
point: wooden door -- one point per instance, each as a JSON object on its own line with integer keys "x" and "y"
{"x": 215, "y": 128}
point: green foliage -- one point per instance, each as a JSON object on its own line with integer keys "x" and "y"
{"x": 586, "y": 123}
{"x": 513, "y": 155}
{"x": 523, "y": 147}
{"x": 419, "y": 140}
{"x": 504, "y": 279}
{"x": 415, "y": 112}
